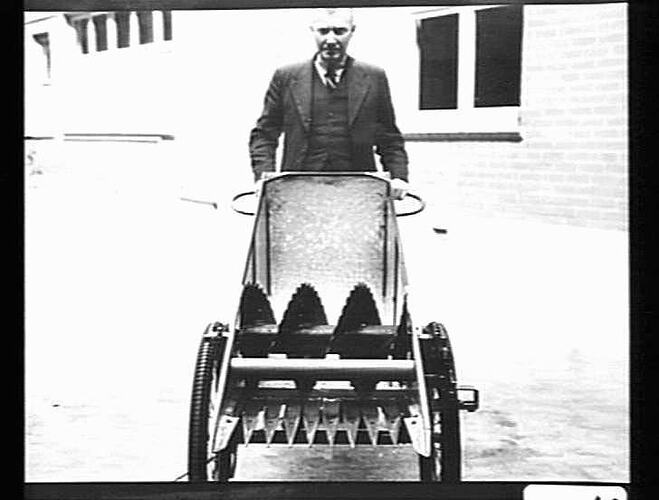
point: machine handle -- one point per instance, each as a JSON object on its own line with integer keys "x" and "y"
{"x": 420, "y": 208}
{"x": 422, "y": 205}
{"x": 237, "y": 197}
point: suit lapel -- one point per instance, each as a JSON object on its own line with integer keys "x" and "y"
{"x": 358, "y": 84}
{"x": 357, "y": 80}
{"x": 301, "y": 90}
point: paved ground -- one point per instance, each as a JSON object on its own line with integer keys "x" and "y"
{"x": 122, "y": 276}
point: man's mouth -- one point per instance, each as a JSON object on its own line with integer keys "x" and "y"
{"x": 332, "y": 48}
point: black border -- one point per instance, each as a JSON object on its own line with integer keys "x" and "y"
{"x": 13, "y": 203}
{"x": 287, "y": 490}
{"x": 643, "y": 195}
{"x": 92, "y": 5}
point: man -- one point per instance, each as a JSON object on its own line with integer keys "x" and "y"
{"x": 332, "y": 110}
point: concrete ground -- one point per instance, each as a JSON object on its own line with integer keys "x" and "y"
{"x": 122, "y": 276}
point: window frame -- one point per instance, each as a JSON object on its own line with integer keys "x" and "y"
{"x": 128, "y": 33}
{"x": 466, "y": 117}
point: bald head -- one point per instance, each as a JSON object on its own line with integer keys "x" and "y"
{"x": 324, "y": 15}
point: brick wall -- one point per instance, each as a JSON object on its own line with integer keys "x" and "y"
{"x": 571, "y": 165}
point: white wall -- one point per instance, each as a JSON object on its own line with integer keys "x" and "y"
{"x": 224, "y": 62}
{"x": 206, "y": 88}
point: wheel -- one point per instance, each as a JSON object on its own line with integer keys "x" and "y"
{"x": 226, "y": 462}
{"x": 428, "y": 467}
{"x": 203, "y": 465}
{"x": 447, "y": 448}
{"x": 445, "y": 461}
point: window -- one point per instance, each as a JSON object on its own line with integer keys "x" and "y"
{"x": 123, "y": 29}
{"x": 498, "y": 56}
{"x": 145, "y": 21}
{"x": 80, "y": 26}
{"x": 438, "y": 43}
{"x": 167, "y": 24}
{"x": 97, "y": 32}
{"x": 100, "y": 29}
{"x": 470, "y": 57}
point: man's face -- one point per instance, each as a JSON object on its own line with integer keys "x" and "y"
{"x": 332, "y": 33}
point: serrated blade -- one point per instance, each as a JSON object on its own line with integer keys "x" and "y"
{"x": 370, "y": 416}
{"x": 304, "y": 310}
{"x": 273, "y": 417}
{"x": 384, "y": 431}
{"x": 392, "y": 415}
{"x": 311, "y": 417}
{"x": 331, "y": 415}
{"x": 351, "y": 417}
{"x": 249, "y": 417}
{"x": 292, "y": 416}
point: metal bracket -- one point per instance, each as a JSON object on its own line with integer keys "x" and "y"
{"x": 468, "y": 397}
{"x": 215, "y": 330}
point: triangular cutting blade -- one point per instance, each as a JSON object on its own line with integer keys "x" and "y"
{"x": 311, "y": 417}
{"x": 250, "y": 415}
{"x": 393, "y": 417}
{"x": 351, "y": 417}
{"x": 370, "y": 415}
{"x": 273, "y": 418}
{"x": 292, "y": 416}
{"x": 331, "y": 414}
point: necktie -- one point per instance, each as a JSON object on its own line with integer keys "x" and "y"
{"x": 330, "y": 78}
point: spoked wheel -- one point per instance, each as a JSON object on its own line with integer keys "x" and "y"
{"x": 444, "y": 463}
{"x": 203, "y": 463}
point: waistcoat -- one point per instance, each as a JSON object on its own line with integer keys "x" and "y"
{"x": 329, "y": 136}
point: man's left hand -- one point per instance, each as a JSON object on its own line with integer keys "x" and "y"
{"x": 399, "y": 188}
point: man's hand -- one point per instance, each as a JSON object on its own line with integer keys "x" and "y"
{"x": 257, "y": 187}
{"x": 399, "y": 188}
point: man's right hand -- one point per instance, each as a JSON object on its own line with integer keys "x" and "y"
{"x": 399, "y": 188}
{"x": 257, "y": 187}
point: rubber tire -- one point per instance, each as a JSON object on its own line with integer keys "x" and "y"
{"x": 428, "y": 468}
{"x": 226, "y": 463}
{"x": 445, "y": 461}
{"x": 208, "y": 358}
{"x": 450, "y": 461}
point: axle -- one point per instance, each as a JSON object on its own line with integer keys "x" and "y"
{"x": 323, "y": 369}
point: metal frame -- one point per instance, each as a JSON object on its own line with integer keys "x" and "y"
{"x": 405, "y": 397}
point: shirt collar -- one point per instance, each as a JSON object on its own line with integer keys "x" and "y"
{"x": 321, "y": 70}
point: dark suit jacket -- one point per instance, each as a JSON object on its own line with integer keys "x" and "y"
{"x": 287, "y": 108}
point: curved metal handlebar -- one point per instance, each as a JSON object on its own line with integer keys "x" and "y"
{"x": 421, "y": 207}
{"x": 237, "y": 197}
